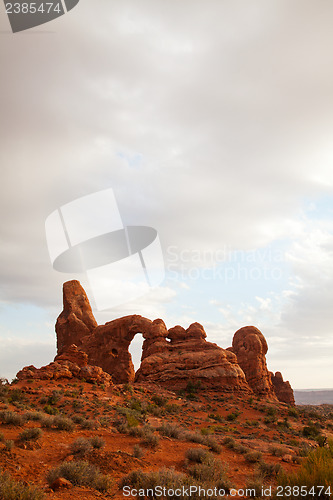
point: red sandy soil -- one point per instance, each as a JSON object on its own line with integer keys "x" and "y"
{"x": 205, "y": 412}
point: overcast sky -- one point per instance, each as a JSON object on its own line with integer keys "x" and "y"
{"x": 212, "y": 121}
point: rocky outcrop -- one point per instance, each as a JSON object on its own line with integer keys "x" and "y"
{"x": 176, "y": 357}
{"x": 108, "y": 345}
{"x": 72, "y": 363}
{"x": 282, "y": 389}
{"x": 76, "y": 320}
{"x": 250, "y": 347}
{"x": 171, "y": 358}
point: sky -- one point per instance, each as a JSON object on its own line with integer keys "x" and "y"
{"x": 212, "y": 122}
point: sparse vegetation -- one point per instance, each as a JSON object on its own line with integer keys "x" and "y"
{"x": 81, "y": 473}
{"x": 10, "y": 489}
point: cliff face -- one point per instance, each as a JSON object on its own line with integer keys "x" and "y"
{"x": 170, "y": 358}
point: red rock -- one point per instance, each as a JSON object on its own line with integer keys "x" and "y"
{"x": 61, "y": 484}
{"x": 250, "y": 347}
{"x": 282, "y": 389}
{"x": 76, "y": 320}
{"x": 73, "y": 355}
{"x": 189, "y": 357}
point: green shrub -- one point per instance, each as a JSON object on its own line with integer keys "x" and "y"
{"x": 159, "y": 400}
{"x": 277, "y": 451}
{"x": 150, "y": 440}
{"x": 10, "y": 489}
{"x": 316, "y": 471}
{"x": 31, "y": 434}
{"x": 212, "y": 444}
{"x": 80, "y": 473}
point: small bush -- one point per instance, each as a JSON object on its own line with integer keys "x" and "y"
{"x": 137, "y": 451}
{"x": 97, "y": 442}
{"x": 30, "y": 434}
{"x": 277, "y": 451}
{"x": 171, "y": 430}
{"x": 63, "y": 423}
{"x": 150, "y": 440}
{"x": 10, "y": 489}
{"x": 80, "y": 473}
{"x": 81, "y": 446}
{"x": 212, "y": 444}
{"x": 253, "y": 456}
{"x": 8, "y": 445}
{"x": 11, "y": 418}
{"x": 198, "y": 455}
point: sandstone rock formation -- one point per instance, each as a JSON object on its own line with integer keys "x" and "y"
{"x": 250, "y": 347}
{"x": 175, "y": 357}
{"x": 171, "y": 358}
{"x": 77, "y": 319}
{"x": 282, "y": 389}
{"x": 72, "y": 363}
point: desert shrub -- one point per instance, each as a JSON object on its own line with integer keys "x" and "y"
{"x": 50, "y": 410}
{"x": 90, "y": 424}
{"x": 276, "y": 451}
{"x": 35, "y": 416}
{"x": 197, "y": 455}
{"x": 212, "y": 444}
{"x": 63, "y": 423}
{"x": 11, "y": 418}
{"x": 253, "y": 456}
{"x": 171, "y": 430}
{"x": 316, "y": 471}
{"x": 254, "y": 485}
{"x": 232, "y": 416}
{"x": 80, "y": 473}
{"x": 137, "y": 451}
{"x": 216, "y": 417}
{"x": 10, "y": 489}
{"x": 105, "y": 422}
{"x": 81, "y": 446}
{"x": 311, "y": 431}
{"x": 8, "y": 445}
{"x": 31, "y": 434}
{"x": 293, "y": 412}
{"x": 271, "y": 411}
{"x": 268, "y": 470}
{"x": 2, "y": 437}
{"x": 194, "y": 437}
{"x": 97, "y": 442}
{"x": 164, "y": 478}
{"x": 159, "y": 400}
{"x": 150, "y": 440}
{"x": 46, "y": 422}
{"x": 229, "y": 442}
{"x": 210, "y": 472}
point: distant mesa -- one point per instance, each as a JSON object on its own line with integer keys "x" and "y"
{"x": 170, "y": 358}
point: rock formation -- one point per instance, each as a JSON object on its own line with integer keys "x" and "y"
{"x": 72, "y": 363}
{"x": 282, "y": 389}
{"x": 250, "y": 347}
{"x": 175, "y": 357}
{"x": 76, "y": 320}
{"x": 171, "y": 358}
